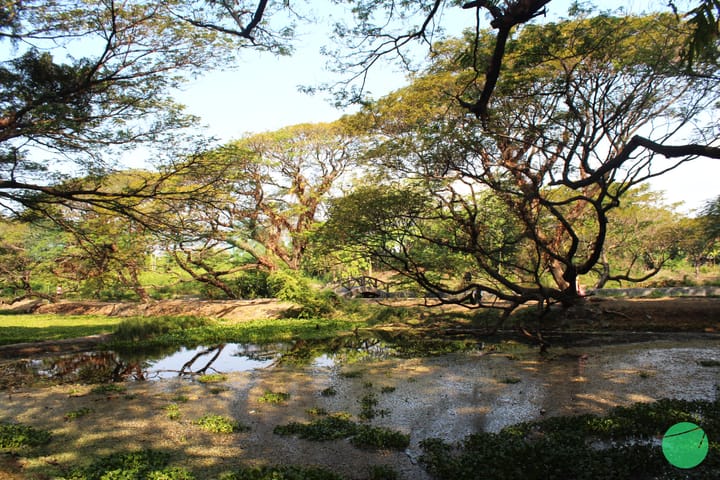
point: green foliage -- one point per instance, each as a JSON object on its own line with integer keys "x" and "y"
{"x": 329, "y": 392}
{"x": 16, "y": 435}
{"x": 292, "y": 287}
{"x": 281, "y": 473}
{"x": 566, "y": 447}
{"x": 140, "y": 465}
{"x": 219, "y": 424}
{"x": 274, "y": 397}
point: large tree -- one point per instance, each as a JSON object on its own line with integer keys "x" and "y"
{"x": 82, "y": 83}
{"x": 559, "y": 149}
{"x": 268, "y": 193}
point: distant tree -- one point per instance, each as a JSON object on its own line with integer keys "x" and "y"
{"x": 27, "y": 260}
{"x": 269, "y": 191}
{"x": 643, "y": 235}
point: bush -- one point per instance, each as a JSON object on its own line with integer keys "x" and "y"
{"x": 292, "y": 287}
{"x": 281, "y": 473}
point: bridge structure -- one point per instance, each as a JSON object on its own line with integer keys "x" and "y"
{"x": 363, "y": 287}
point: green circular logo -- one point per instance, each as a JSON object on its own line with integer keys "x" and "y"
{"x": 685, "y": 445}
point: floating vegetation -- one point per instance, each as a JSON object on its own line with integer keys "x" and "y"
{"x": 274, "y": 397}
{"x": 617, "y": 445}
{"x": 150, "y": 464}
{"x": 282, "y": 473}
{"x": 212, "y": 378}
{"x": 219, "y": 424}
{"x": 336, "y": 426}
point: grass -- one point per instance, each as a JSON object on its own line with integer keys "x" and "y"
{"x": 212, "y": 378}
{"x": 150, "y": 464}
{"x": 35, "y": 328}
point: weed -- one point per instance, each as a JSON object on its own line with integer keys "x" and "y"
{"x": 181, "y": 398}
{"x": 108, "y": 389}
{"x": 217, "y": 390}
{"x": 219, "y": 424}
{"x": 387, "y": 389}
{"x": 212, "y": 378}
{"x": 329, "y": 392}
{"x": 172, "y": 411}
{"x": 274, "y": 397}
{"x": 316, "y": 412}
{"x": 351, "y": 374}
{"x": 15, "y": 435}
{"x": 367, "y": 384}
{"x": 75, "y": 414}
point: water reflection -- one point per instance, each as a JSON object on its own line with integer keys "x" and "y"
{"x": 109, "y": 366}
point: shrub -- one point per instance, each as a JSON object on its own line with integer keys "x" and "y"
{"x": 292, "y": 287}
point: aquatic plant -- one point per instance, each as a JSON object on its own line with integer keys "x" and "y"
{"x": 211, "y": 378}
{"x": 281, "y": 473}
{"x": 336, "y": 426}
{"x": 616, "y": 445}
{"x": 219, "y": 424}
{"x": 172, "y": 411}
{"x": 274, "y": 397}
{"x": 145, "y": 464}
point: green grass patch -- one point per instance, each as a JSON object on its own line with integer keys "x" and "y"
{"x": 36, "y": 328}
{"x": 16, "y": 435}
{"x": 219, "y": 424}
{"x": 274, "y": 397}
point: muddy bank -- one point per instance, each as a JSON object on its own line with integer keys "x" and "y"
{"x": 225, "y": 309}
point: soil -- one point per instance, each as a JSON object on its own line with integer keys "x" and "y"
{"x": 137, "y": 418}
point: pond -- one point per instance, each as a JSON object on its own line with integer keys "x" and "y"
{"x": 445, "y": 389}
{"x": 422, "y": 388}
